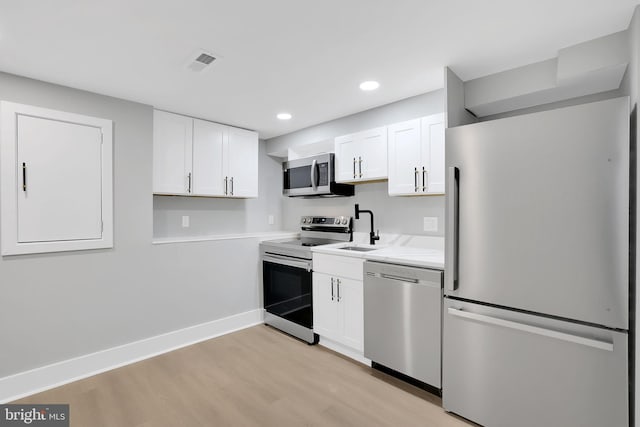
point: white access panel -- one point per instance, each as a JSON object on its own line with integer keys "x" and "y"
{"x": 56, "y": 178}
{"x": 59, "y": 164}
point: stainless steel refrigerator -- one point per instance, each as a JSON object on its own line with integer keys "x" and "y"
{"x": 536, "y": 309}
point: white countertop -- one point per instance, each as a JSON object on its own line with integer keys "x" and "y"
{"x": 416, "y": 251}
{"x": 268, "y": 235}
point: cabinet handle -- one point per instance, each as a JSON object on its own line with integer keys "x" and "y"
{"x": 424, "y": 179}
{"x": 226, "y": 182}
{"x": 232, "y": 186}
{"x": 415, "y": 179}
{"x": 354, "y": 168}
{"x": 360, "y": 166}
{"x": 332, "y": 289}
{"x": 189, "y": 178}
{"x": 24, "y": 177}
{"x": 338, "y": 280}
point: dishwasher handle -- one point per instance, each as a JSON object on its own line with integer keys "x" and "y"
{"x": 398, "y": 278}
{"x": 402, "y": 279}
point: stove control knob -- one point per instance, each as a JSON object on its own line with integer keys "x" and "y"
{"x": 304, "y": 220}
{"x": 337, "y": 221}
{"x": 344, "y": 221}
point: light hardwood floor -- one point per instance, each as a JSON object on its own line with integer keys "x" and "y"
{"x": 254, "y": 377}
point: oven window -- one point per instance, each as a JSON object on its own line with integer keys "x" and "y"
{"x": 287, "y": 292}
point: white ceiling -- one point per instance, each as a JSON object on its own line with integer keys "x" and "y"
{"x": 304, "y": 57}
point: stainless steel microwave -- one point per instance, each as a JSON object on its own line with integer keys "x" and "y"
{"x": 313, "y": 177}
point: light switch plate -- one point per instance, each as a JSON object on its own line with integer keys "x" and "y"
{"x": 185, "y": 221}
{"x": 271, "y": 220}
{"x": 431, "y": 223}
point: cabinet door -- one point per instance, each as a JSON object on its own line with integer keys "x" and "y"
{"x": 56, "y": 174}
{"x": 404, "y": 157}
{"x": 242, "y": 161}
{"x": 208, "y": 161}
{"x": 351, "y": 312}
{"x": 60, "y": 165}
{"x": 345, "y": 158}
{"x": 432, "y": 154}
{"x": 172, "y": 156}
{"x": 325, "y": 306}
{"x": 372, "y": 154}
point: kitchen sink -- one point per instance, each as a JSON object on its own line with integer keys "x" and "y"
{"x": 358, "y": 248}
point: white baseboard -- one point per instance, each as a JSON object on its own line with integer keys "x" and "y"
{"x": 344, "y": 350}
{"x": 40, "y": 379}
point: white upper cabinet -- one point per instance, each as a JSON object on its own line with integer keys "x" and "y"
{"x": 432, "y": 137}
{"x": 416, "y": 156}
{"x": 56, "y": 181}
{"x": 208, "y": 163}
{"x": 172, "y": 153}
{"x": 361, "y": 156}
{"x": 345, "y": 158}
{"x": 242, "y": 163}
{"x": 194, "y": 157}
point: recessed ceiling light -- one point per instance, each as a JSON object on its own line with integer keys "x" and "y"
{"x": 369, "y": 85}
{"x": 284, "y": 116}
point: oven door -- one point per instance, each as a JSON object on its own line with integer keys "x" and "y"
{"x": 307, "y": 177}
{"x": 287, "y": 289}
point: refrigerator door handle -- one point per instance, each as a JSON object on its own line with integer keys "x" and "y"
{"x": 452, "y": 229}
{"x": 589, "y": 342}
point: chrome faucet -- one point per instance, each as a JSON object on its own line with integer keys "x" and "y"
{"x": 372, "y": 236}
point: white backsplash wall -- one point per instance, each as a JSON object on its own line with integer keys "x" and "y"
{"x": 400, "y": 215}
{"x": 214, "y": 216}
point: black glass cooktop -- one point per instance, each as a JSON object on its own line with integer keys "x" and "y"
{"x": 308, "y": 242}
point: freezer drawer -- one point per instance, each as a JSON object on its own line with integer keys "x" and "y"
{"x": 402, "y": 319}
{"x": 503, "y": 368}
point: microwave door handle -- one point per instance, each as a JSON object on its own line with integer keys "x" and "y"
{"x": 314, "y": 181}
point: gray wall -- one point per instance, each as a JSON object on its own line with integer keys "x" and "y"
{"x": 57, "y": 306}
{"x": 212, "y": 216}
{"x": 406, "y": 109}
{"x": 393, "y": 214}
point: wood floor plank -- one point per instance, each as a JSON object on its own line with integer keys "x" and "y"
{"x": 254, "y": 377}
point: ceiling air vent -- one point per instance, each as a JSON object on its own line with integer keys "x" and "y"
{"x": 202, "y": 61}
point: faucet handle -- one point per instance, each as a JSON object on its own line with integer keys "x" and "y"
{"x": 377, "y": 236}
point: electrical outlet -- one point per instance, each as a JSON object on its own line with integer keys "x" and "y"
{"x": 431, "y": 223}
{"x": 185, "y": 221}
{"x": 271, "y": 220}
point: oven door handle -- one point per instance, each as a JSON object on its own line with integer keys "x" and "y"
{"x": 286, "y": 261}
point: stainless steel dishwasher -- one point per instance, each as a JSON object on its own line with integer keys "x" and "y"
{"x": 402, "y": 319}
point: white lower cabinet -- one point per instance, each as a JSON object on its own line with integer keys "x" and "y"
{"x": 338, "y": 300}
